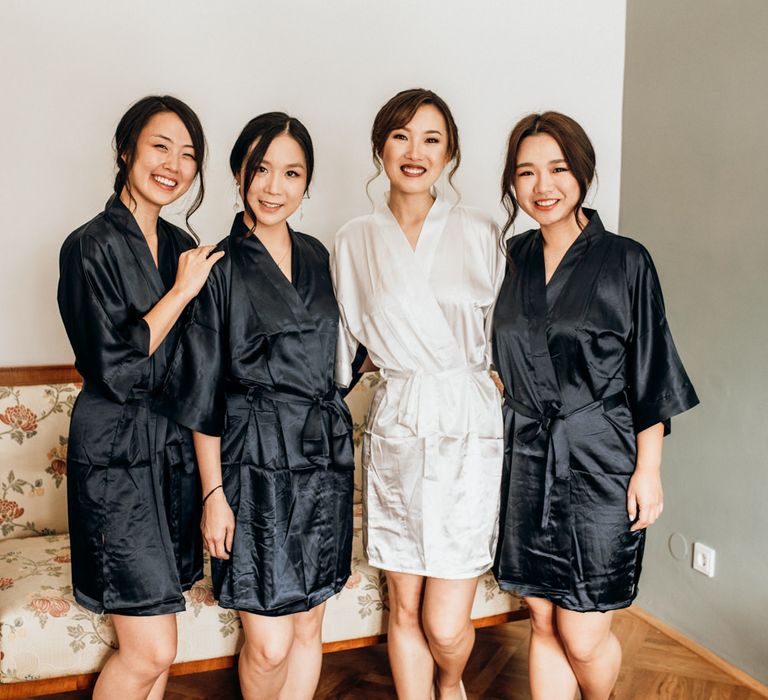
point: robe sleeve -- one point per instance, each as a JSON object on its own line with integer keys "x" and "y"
{"x": 193, "y": 393}
{"x": 346, "y": 346}
{"x": 497, "y": 267}
{"x": 658, "y": 386}
{"x": 110, "y": 340}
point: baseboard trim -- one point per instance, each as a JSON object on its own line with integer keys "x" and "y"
{"x": 742, "y": 677}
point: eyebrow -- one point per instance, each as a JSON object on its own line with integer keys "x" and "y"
{"x": 290, "y": 165}
{"x": 551, "y": 162}
{"x": 428, "y": 131}
{"x": 170, "y": 140}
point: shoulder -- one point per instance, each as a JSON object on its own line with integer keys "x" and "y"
{"x": 221, "y": 270}
{"x": 353, "y": 228}
{"x": 520, "y": 241}
{"x": 633, "y": 253}
{"x": 182, "y": 238}
{"x": 311, "y": 243}
{"x": 90, "y": 239}
{"x": 474, "y": 217}
{"x": 351, "y": 235}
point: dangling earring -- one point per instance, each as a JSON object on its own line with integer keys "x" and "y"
{"x": 301, "y": 207}
{"x": 236, "y": 205}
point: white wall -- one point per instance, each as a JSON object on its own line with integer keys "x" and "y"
{"x": 68, "y": 70}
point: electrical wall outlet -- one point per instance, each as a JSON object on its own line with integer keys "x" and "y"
{"x": 704, "y": 559}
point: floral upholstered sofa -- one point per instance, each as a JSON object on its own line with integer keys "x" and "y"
{"x": 47, "y": 642}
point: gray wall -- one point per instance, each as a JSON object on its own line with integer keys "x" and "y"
{"x": 695, "y": 191}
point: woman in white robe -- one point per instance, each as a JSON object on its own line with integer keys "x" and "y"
{"x": 416, "y": 281}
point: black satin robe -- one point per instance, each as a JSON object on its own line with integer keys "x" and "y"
{"x": 133, "y": 488}
{"x": 255, "y": 366}
{"x": 588, "y": 362}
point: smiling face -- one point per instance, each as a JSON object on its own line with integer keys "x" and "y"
{"x": 164, "y": 164}
{"x": 415, "y": 155}
{"x": 545, "y": 188}
{"x": 278, "y": 185}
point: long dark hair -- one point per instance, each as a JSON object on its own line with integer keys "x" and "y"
{"x": 265, "y": 128}
{"x": 574, "y": 143}
{"x": 127, "y": 136}
{"x": 398, "y": 111}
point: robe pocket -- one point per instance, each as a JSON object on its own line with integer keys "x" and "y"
{"x": 262, "y": 444}
{"x": 381, "y": 466}
{"x": 233, "y": 438}
{"x": 620, "y": 417}
{"x": 130, "y": 447}
{"x": 603, "y": 351}
{"x": 93, "y": 429}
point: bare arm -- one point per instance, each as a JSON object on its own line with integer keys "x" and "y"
{"x": 645, "y": 497}
{"x": 194, "y": 267}
{"x": 218, "y": 522}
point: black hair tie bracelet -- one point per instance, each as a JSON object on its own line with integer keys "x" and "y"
{"x": 208, "y": 495}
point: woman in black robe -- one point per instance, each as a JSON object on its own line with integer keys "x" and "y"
{"x": 133, "y": 495}
{"x": 592, "y": 379}
{"x": 253, "y": 377}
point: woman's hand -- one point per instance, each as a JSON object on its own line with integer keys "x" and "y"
{"x": 645, "y": 498}
{"x": 218, "y": 525}
{"x": 193, "y": 269}
{"x": 497, "y": 381}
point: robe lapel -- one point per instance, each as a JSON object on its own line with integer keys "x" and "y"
{"x": 407, "y": 277}
{"x": 577, "y": 281}
{"x": 431, "y": 233}
{"x": 274, "y": 299}
{"x": 119, "y": 214}
{"x": 275, "y": 302}
{"x": 534, "y": 292}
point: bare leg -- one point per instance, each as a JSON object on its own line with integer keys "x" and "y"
{"x": 407, "y": 647}
{"x": 306, "y": 656}
{"x": 549, "y": 670}
{"x": 263, "y": 664}
{"x": 451, "y": 636}
{"x": 593, "y": 650}
{"x": 139, "y": 668}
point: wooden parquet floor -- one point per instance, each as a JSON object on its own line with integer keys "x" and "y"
{"x": 655, "y": 667}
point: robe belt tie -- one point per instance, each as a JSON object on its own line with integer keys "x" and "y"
{"x": 163, "y": 435}
{"x": 325, "y": 420}
{"x": 417, "y": 409}
{"x": 551, "y": 421}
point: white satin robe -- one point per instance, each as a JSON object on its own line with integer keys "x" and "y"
{"x": 433, "y": 446}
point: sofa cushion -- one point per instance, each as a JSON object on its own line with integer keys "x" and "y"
{"x": 45, "y": 634}
{"x": 34, "y": 424}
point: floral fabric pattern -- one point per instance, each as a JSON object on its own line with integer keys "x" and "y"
{"x": 34, "y": 424}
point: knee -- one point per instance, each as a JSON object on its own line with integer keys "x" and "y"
{"x": 308, "y": 627}
{"x": 405, "y": 613}
{"x": 583, "y": 648}
{"x": 152, "y": 658}
{"x": 542, "y": 625}
{"x": 542, "y": 617}
{"x": 266, "y": 655}
{"x": 447, "y": 634}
